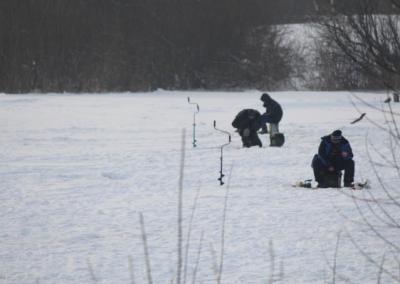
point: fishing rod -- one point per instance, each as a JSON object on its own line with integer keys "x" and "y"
{"x": 221, "y": 175}
{"x": 194, "y": 120}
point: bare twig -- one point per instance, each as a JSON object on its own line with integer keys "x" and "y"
{"x": 272, "y": 262}
{"x": 131, "y": 270}
{"x": 197, "y": 259}
{"x": 188, "y": 236}
{"x": 222, "y": 251}
{"x": 381, "y": 182}
{"x": 180, "y": 205}
{"x": 281, "y": 271}
{"x": 91, "y": 271}
{"x": 374, "y": 229}
{"x": 370, "y": 259}
{"x": 331, "y": 268}
{"x": 335, "y": 256}
{"x": 214, "y": 261}
{"x": 381, "y": 269}
{"x": 146, "y": 249}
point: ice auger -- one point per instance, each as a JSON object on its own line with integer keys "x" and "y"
{"x": 194, "y": 121}
{"x": 221, "y": 175}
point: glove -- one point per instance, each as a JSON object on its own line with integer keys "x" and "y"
{"x": 246, "y": 132}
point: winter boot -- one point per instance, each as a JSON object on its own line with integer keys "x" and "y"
{"x": 264, "y": 130}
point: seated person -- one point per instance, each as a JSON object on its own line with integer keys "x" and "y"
{"x": 273, "y": 112}
{"x": 334, "y": 155}
{"x": 247, "y": 124}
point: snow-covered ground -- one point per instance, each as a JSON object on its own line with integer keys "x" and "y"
{"x": 76, "y": 171}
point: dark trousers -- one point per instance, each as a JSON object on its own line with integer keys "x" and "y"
{"x": 267, "y": 118}
{"x": 251, "y": 140}
{"x": 346, "y": 165}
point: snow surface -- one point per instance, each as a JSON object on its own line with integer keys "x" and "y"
{"x": 76, "y": 171}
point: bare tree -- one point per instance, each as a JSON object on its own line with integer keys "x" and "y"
{"x": 367, "y": 40}
{"x": 371, "y": 42}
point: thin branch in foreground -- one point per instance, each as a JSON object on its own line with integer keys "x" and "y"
{"x": 146, "y": 249}
{"x": 397, "y": 260}
{"x": 91, "y": 271}
{"x": 358, "y": 119}
{"x": 222, "y": 251}
{"x": 374, "y": 229}
{"x": 196, "y": 266}
{"x": 378, "y": 176}
{"x": 214, "y": 261}
{"x": 272, "y": 262}
{"x": 131, "y": 270}
{"x": 381, "y": 269}
{"x": 383, "y": 128}
{"x": 330, "y": 266}
{"x": 394, "y": 121}
{"x": 373, "y": 106}
{"x": 173, "y": 275}
{"x": 281, "y": 271}
{"x": 189, "y": 233}
{"x": 370, "y": 259}
{"x": 180, "y": 205}
{"x": 335, "y": 256}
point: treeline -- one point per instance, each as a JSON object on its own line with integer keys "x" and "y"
{"x": 120, "y": 45}
{"x": 141, "y": 45}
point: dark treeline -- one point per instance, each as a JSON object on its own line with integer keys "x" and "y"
{"x": 360, "y": 50}
{"x": 118, "y": 45}
{"x": 132, "y": 45}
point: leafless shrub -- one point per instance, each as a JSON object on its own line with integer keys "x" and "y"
{"x": 371, "y": 43}
{"x": 378, "y": 206}
{"x": 366, "y": 44}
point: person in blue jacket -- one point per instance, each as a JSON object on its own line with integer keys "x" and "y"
{"x": 334, "y": 155}
{"x": 273, "y": 113}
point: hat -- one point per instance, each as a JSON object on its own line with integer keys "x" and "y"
{"x": 336, "y": 136}
{"x": 265, "y": 97}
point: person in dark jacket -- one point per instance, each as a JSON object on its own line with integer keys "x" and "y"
{"x": 334, "y": 155}
{"x": 247, "y": 124}
{"x": 273, "y": 113}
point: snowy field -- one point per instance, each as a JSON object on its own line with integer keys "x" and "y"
{"x": 77, "y": 170}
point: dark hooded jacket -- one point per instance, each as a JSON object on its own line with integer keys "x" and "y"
{"x": 330, "y": 153}
{"x": 247, "y": 118}
{"x": 274, "y": 110}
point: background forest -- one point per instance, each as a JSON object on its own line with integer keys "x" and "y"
{"x": 142, "y": 45}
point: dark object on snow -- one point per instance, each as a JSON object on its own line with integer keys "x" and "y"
{"x": 330, "y": 179}
{"x": 307, "y": 183}
{"x": 247, "y": 124}
{"x": 358, "y": 119}
{"x": 334, "y": 155}
{"x": 304, "y": 183}
{"x": 276, "y": 138}
{"x": 388, "y": 100}
{"x": 396, "y": 97}
{"x": 264, "y": 130}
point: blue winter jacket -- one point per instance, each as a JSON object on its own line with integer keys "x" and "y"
{"x": 325, "y": 150}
